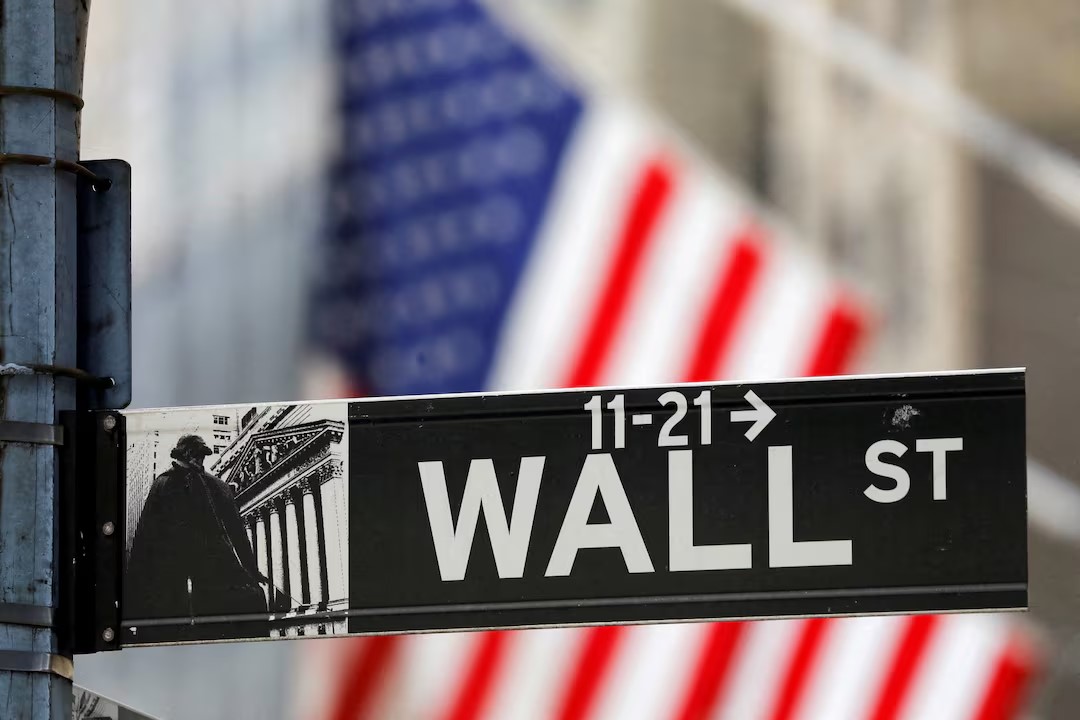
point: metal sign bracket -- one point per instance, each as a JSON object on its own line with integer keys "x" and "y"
{"x": 104, "y": 283}
{"x": 92, "y": 475}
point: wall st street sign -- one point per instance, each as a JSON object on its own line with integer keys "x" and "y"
{"x": 815, "y": 497}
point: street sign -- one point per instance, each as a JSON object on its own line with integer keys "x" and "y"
{"x": 816, "y": 497}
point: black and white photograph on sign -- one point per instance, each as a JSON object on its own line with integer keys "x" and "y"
{"x": 86, "y": 705}
{"x": 236, "y": 523}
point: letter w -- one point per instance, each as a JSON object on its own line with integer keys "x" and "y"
{"x": 509, "y": 541}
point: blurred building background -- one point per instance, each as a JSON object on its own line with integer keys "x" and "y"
{"x": 226, "y": 112}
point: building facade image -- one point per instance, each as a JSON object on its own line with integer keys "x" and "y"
{"x": 287, "y": 468}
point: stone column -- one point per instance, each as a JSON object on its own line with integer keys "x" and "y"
{"x": 313, "y": 531}
{"x": 276, "y": 552}
{"x": 261, "y": 541}
{"x": 292, "y": 545}
{"x": 286, "y": 563}
{"x": 249, "y": 525}
{"x": 252, "y": 533}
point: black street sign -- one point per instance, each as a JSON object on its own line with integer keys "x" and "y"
{"x": 814, "y": 497}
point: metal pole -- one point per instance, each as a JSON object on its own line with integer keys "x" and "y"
{"x": 42, "y": 44}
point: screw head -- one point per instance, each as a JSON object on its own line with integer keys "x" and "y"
{"x": 108, "y": 528}
{"x": 109, "y": 423}
{"x": 108, "y": 635}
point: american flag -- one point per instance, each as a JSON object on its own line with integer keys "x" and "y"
{"x": 495, "y": 225}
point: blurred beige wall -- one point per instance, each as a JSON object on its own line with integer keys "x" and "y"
{"x": 1022, "y": 58}
{"x": 883, "y": 198}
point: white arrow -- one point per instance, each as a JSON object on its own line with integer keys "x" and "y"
{"x": 761, "y": 415}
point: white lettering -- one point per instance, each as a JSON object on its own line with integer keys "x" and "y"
{"x": 598, "y": 474}
{"x": 783, "y": 550}
{"x": 896, "y": 473}
{"x": 509, "y": 541}
{"x": 939, "y": 447}
{"x": 684, "y": 555}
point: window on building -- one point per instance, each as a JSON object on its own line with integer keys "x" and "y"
{"x": 218, "y": 449}
{"x": 221, "y": 419}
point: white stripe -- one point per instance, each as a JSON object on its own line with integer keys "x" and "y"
{"x": 851, "y": 668}
{"x": 534, "y": 676}
{"x": 677, "y": 283}
{"x": 955, "y": 674}
{"x": 323, "y": 378}
{"x": 549, "y": 313}
{"x": 433, "y": 671}
{"x": 650, "y": 663}
{"x": 785, "y": 314}
{"x": 760, "y": 664}
{"x": 318, "y": 685}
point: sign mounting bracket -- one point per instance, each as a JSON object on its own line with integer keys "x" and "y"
{"x": 103, "y": 340}
{"x": 92, "y": 474}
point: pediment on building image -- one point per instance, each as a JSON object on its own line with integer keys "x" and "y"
{"x": 269, "y": 455}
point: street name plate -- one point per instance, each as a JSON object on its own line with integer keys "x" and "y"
{"x": 819, "y": 497}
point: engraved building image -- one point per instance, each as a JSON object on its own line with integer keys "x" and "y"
{"x": 287, "y": 468}
{"x": 265, "y": 486}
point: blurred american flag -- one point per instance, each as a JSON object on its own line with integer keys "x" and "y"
{"x": 492, "y": 225}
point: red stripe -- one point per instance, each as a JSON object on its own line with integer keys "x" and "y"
{"x": 844, "y": 325}
{"x": 367, "y": 664}
{"x": 707, "y": 683}
{"x": 1009, "y": 684}
{"x": 730, "y": 294}
{"x": 588, "y": 675}
{"x": 914, "y": 640}
{"x": 651, "y": 195}
{"x": 483, "y": 671}
{"x": 807, "y": 648}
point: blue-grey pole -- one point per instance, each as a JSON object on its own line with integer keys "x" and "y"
{"x": 42, "y": 45}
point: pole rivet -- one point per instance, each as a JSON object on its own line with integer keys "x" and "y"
{"x": 108, "y": 635}
{"x": 108, "y": 528}
{"x": 109, "y": 423}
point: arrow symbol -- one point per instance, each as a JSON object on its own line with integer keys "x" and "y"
{"x": 761, "y": 415}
